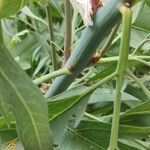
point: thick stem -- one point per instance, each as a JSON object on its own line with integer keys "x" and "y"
{"x": 54, "y": 74}
{"x": 87, "y": 45}
{"x": 51, "y": 34}
{"x": 122, "y": 66}
{"x": 142, "y": 86}
{"x": 68, "y": 31}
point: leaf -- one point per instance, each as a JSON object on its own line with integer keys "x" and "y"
{"x": 5, "y": 111}
{"x": 104, "y": 72}
{"x": 93, "y": 135}
{"x": 32, "y": 48}
{"x": 26, "y": 10}
{"x": 10, "y": 7}
{"x": 104, "y": 94}
{"x": 67, "y": 109}
{"x": 148, "y": 2}
{"x": 137, "y": 36}
{"x": 84, "y": 7}
{"x": 143, "y": 19}
{"x": 136, "y": 92}
{"x": 63, "y": 111}
{"x": 7, "y": 135}
{"x": 137, "y": 10}
{"x": 57, "y": 5}
{"x": 26, "y": 102}
{"x": 137, "y": 116}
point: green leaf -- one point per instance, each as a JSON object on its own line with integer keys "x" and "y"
{"x": 26, "y": 11}
{"x": 104, "y": 94}
{"x": 137, "y": 36}
{"x": 143, "y": 19}
{"x": 93, "y": 135}
{"x": 26, "y": 102}
{"x": 148, "y": 2}
{"x": 7, "y": 135}
{"x": 104, "y": 72}
{"x": 10, "y": 7}
{"x": 137, "y": 116}
{"x": 63, "y": 112}
{"x": 32, "y": 48}
{"x": 137, "y": 10}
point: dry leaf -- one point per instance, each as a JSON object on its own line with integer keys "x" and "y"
{"x": 84, "y": 7}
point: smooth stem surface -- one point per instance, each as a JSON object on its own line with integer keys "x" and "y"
{"x": 131, "y": 58}
{"x": 92, "y": 117}
{"x": 51, "y": 34}
{"x": 121, "y": 68}
{"x": 68, "y": 30}
{"x": 142, "y": 86}
{"x": 52, "y": 75}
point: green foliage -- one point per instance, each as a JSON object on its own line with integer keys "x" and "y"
{"x": 148, "y": 2}
{"x": 80, "y": 118}
{"x": 24, "y": 104}
{"x": 10, "y": 7}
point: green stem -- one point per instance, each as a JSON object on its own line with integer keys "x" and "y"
{"x": 116, "y": 39}
{"x": 92, "y": 117}
{"x": 87, "y": 45}
{"x": 143, "y": 62}
{"x": 54, "y": 74}
{"x": 68, "y": 31}
{"x": 140, "y": 45}
{"x": 108, "y": 43}
{"x": 116, "y": 58}
{"x": 142, "y": 86}
{"x": 78, "y": 81}
{"x": 98, "y": 84}
{"x": 51, "y": 34}
{"x": 122, "y": 66}
{"x": 1, "y": 35}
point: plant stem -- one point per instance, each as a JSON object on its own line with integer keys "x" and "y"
{"x": 68, "y": 31}
{"x": 122, "y": 66}
{"x": 98, "y": 84}
{"x": 142, "y": 86}
{"x": 116, "y": 58}
{"x": 52, "y": 75}
{"x": 91, "y": 116}
{"x": 140, "y": 45}
{"x": 108, "y": 43}
{"x": 78, "y": 81}
{"x": 1, "y": 35}
{"x": 51, "y": 34}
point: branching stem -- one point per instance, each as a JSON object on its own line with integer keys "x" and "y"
{"x": 121, "y": 68}
{"x": 131, "y": 58}
{"x": 52, "y": 75}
